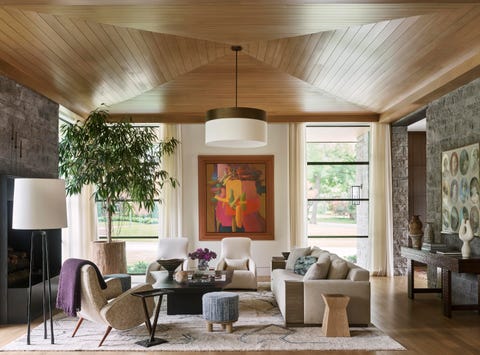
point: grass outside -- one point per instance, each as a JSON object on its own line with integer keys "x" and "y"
{"x": 130, "y": 229}
{"x": 345, "y": 220}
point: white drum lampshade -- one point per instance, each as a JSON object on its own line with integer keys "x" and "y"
{"x": 236, "y": 127}
{"x": 39, "y": 204}
{"x": 237, "y": 131}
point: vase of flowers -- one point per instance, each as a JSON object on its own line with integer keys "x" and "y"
{"x": 203, "y": 256}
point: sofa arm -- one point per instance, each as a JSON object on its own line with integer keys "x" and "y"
{"x": 294, "y": 302}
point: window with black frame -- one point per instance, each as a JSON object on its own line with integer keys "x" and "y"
{"x": 337, "y": 189}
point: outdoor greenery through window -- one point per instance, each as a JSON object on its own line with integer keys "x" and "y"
{"x": 337, "y": 190}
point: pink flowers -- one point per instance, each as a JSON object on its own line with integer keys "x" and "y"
{"x": 202, "y": 254}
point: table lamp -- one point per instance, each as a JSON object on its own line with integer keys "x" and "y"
{"x": 39, "y": 205}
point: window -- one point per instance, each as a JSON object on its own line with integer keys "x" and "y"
{"x": 337, "y": 190}
{"x": 137, "y": 227}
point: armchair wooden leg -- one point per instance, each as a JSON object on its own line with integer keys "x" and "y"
{"x": 105, "y": 336}
{"x": 79, "y": 323}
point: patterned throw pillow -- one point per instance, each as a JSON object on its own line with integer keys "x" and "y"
{"x": 294, "y": 255}
{"x": 303, "y": 263}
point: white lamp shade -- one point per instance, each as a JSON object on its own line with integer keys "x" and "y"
{"x": 236, "y": 133}
{"x": 39, "y": 204}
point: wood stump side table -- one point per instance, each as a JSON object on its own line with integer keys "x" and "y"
{"x": 335, "y": 321}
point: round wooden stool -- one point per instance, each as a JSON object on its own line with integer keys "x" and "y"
{"x": 335, "y": 321}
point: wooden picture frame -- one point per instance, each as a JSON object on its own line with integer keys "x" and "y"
{"x": 236, "y": 196}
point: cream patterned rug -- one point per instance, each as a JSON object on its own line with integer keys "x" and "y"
{"x": 260, "y": 327}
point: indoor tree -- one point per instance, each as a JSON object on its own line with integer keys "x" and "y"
{"x": 119, "y": 159}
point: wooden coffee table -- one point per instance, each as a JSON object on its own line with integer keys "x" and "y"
{"x": 187, "y": 297}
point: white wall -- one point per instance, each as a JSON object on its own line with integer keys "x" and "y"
{"x": 193, "y": 144}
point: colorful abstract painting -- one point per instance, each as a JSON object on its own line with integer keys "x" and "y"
{"x": 236, "y": 196}
{"x": 460, "y": 188}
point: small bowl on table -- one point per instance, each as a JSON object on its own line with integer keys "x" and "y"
{"x": 170, "y": 265}
{"x": 285, "y": 254}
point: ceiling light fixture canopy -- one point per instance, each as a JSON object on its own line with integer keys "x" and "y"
{"x": 236, "y": 127}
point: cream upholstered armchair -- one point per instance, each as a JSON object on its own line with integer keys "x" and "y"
{"x": 235, "y": 255}
{"x": 168, "y": 248}
{"x": 110, "y": 306}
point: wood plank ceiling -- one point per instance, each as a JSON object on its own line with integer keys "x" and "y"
{"x": 170, "y": 60}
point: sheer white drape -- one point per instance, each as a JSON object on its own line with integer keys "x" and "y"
{"x": 82, "y": 225}
{"x": 380, "y": 228}
{"x": 296, "y": 178}
{"x": 170, "y": 212}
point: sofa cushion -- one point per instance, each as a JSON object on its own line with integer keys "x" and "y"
{"x": 317, "y": 271}
{"x": 303, "y": 263}
{"x": 294, "y": 255}
{"x": 316, "y": 251}
{"x": 338, "y": 269}
{"x": 236, "y": 264}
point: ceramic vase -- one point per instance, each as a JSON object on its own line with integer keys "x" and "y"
{"x": 202, "y": 265}
{"x": 415, "y": 226}
{"x": 465, "y": 233}
{"x": 429, "y": 235}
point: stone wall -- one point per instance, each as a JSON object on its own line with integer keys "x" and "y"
{"x": 452, "y": 121}
{"x": 400, "y": 196}
{"x": 28, "y": 132}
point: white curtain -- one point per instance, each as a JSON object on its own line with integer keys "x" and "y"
{"x": 380, "y": 228}
{"x": 170, "y": 212}
{"x": 296, "y": 178}
{"x": 82, "y": 226}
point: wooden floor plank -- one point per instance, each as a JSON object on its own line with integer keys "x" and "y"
{"x": 417, "y": 324}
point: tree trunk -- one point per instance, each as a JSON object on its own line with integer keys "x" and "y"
{"x": 110, "y": 258}
{"x": 109, "y": 221}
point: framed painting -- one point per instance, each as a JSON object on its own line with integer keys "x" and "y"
{"x": 235, "y": 196}
{"x": 460, "y": 188}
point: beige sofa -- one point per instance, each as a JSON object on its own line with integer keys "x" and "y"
{"x": 300, "y": 300}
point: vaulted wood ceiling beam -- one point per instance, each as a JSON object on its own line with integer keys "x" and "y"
{"x": 195, "y": 117}
{"x": 447, "y": 81}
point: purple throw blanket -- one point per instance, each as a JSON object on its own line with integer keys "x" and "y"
{"x": 68, "y": 296}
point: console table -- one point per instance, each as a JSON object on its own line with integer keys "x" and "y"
{"x": 448, "y": 264}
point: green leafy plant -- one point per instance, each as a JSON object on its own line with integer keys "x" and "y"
{"x": 121, "y": 160}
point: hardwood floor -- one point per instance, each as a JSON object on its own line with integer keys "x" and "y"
{"x": 418, "y": 325}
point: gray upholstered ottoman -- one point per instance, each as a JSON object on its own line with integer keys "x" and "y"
{"x": 220, "y": 307}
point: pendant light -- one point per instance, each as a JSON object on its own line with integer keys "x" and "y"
{"x": 236, "y": 127}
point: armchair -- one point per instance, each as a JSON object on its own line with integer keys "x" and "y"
{"x": 168, "y": 248}
{"x": 110, "y": 306}
{"x": 235, "y": 255}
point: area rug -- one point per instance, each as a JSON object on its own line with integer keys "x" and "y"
{"x": 260, "y": 327}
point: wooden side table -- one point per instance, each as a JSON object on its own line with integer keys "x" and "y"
{"x": 278, "y": 262}
{"x": 335, "y": 321}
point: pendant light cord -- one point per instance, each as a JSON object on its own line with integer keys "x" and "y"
{"x": 236, "y": 76}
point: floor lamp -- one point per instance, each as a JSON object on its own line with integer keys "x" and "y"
{"x": 39, "y": 205}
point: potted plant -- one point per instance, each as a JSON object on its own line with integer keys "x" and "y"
{"x": 121, "y": 160}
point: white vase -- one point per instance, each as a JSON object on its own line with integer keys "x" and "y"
{"x": 465, "y": 233}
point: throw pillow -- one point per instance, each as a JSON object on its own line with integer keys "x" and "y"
{"x": 338, "y": 269}
{"x": 303, "y": 263}
{"x": 317, "y": 271}
{"x": 294, "y": 255}
{"x": 316, "y": 251}
{"x": 236, "y": 264}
